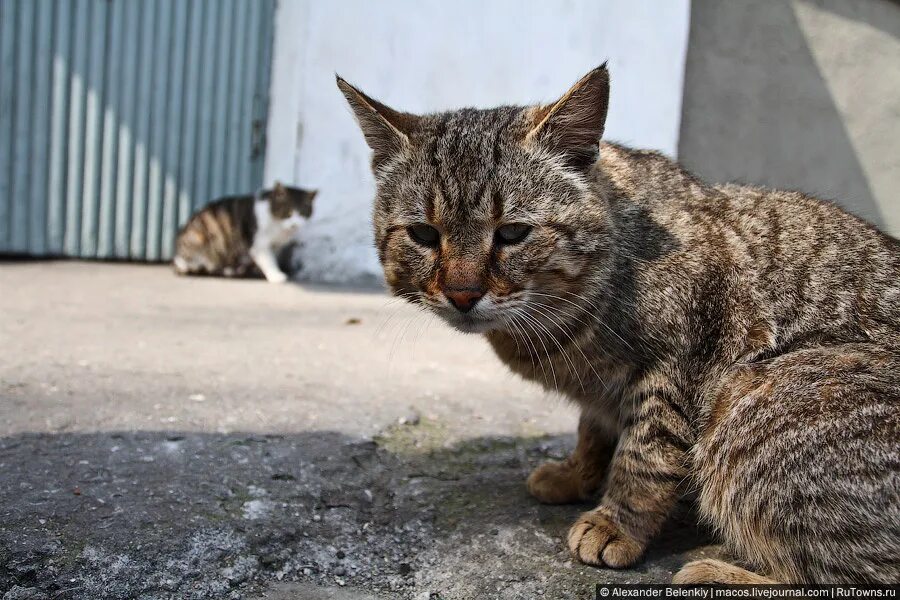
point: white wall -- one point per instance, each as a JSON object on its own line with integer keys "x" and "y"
{"x": 437, "y": 54}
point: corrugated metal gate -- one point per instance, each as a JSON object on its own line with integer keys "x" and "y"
{"x": 119, "y": 117}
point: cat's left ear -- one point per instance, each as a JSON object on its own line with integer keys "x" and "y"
{"x": 278, "y": 190}
{"x": 386, "y": 130}
{"x": 311, "y": 194}
{"x": 573, "y": 125}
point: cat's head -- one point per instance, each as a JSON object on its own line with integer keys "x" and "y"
{"x": 482, "y": 215}
{"x": 286, "y": 202}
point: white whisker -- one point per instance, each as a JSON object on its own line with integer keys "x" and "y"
{"x": 529, "y": 320}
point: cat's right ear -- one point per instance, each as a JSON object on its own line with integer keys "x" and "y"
{"x": 573, "y": 125}
{"x": 386, "y": 130}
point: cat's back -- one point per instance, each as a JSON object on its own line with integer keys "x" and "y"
{"x": 232, "y": 211}
{"x": 821, "y": 256}
{"x": 673, "y": 196}
{"x": 798, "y": 261}
{"x": 767, "y": 226}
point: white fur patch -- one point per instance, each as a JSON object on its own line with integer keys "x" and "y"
{"x": 271, "y": 236}
{"x": 273, "y": 232}
{"x": 180, "y": 264}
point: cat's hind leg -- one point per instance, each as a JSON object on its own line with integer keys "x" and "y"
{"x": 799, "y": 468}
{"x": 711, "y": 571}
{"x": 180, "y": 265}
{"x": 196, "y": 264}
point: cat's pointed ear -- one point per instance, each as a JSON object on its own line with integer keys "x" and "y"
{"x": 311, "y": 194}
{"x": 573, "y": 125}
{"x": 278, "y": 190}
{"x": 386, "y": 130}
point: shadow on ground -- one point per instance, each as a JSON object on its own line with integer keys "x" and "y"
{"x": 188, "y": 515}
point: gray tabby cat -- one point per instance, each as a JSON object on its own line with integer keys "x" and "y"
{"x": 242, "y": 236}
{"x": 740, "y": 341}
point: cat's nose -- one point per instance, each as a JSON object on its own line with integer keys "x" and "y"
{"x": 464, "y": 299}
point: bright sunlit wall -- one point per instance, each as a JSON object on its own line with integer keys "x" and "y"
{"x": 434, "y": 55}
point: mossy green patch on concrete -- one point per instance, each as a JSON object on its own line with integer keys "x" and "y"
{"x": 411, "y": 440}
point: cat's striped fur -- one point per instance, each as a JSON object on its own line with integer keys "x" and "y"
{"x": 742, "y": 341}
{"x": 242, "y": 236}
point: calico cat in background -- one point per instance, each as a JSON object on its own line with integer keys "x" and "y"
{"x": 242, "y": 236}
{"x": 736, "y": 341}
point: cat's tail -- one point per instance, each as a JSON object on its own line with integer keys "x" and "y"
{"x": 710, "y": 571}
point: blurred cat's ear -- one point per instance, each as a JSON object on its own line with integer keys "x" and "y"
{"x": 278, "y": 190}
{"x": 386, "y": 129}
{"x": 573, "y": 125}
{"x": 311, "y": 194}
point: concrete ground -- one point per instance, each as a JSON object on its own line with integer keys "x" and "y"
{"x": 163, "y": 437}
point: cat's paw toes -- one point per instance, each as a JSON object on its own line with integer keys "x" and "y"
{"x": 697, "y": 572}
{"x": 595, "y": 539}
{"x": 711, "y": 571}
{"x": 555, "y": 483}
{"x": 276, "y": 278}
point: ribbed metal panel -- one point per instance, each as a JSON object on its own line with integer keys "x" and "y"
{"x": 119, "y": 117}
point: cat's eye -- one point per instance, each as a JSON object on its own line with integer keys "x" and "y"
{"x": 424, "y": 234}
{"x": 512, "y": 233}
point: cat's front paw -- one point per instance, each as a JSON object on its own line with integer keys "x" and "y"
{"x": 278, "y": 277}
{"x": 596, "y": 539}
{"x": 556, "y": 483}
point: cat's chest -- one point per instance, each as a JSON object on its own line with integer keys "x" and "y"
{"x": 272, "y": 231}
{"x": 572, "y": 371}
{"x": 282, "y": 232}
